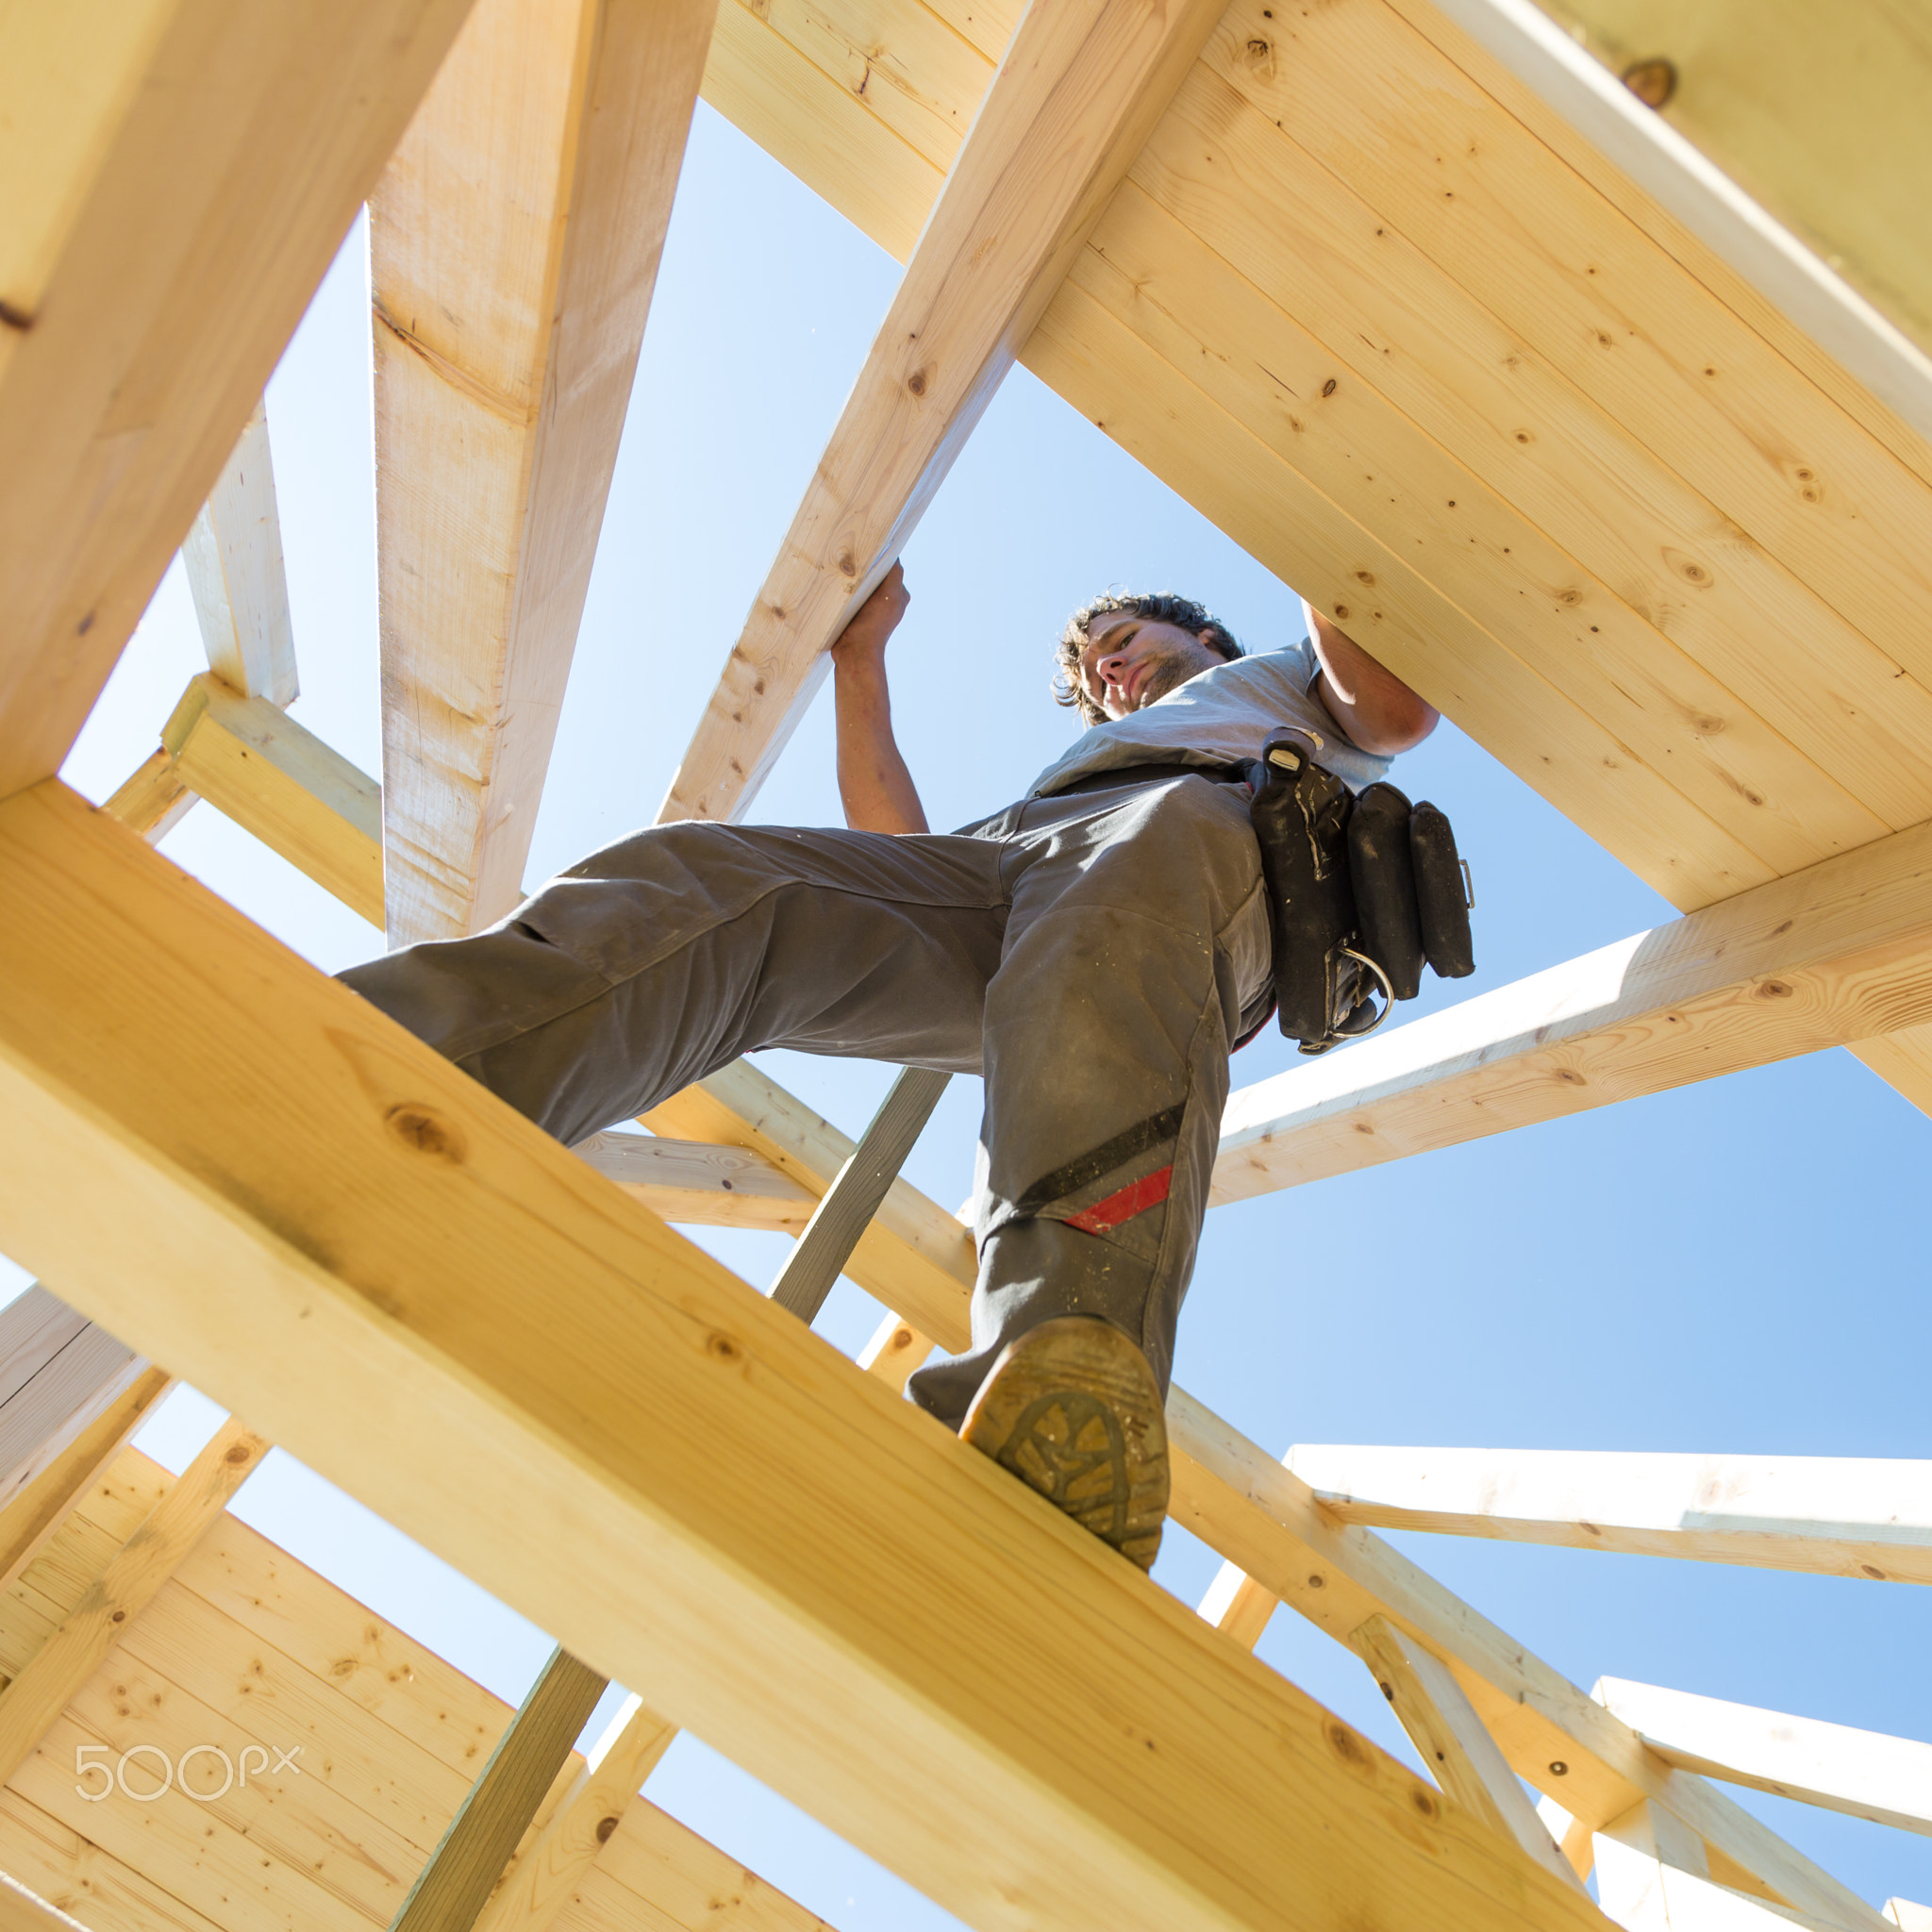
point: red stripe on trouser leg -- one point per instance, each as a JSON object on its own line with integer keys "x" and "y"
{"x": 1135, "y": 1198}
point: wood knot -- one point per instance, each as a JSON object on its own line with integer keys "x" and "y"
{"x": 1346, "y": 1744}
{"x": 1341, "y": 610}
{"x": 1318, "y": 1581}
{"x": 1328, "y": 387}
{"x": 1425, "y": 1801}
{"x": 723, "y": 1348}
{"x": 604, "y": 1827}
{"x": 1653, "y": 81}
{"x": 426, "y": 1132}
{"x": 1362, "y": 576}
{"x": 237, "y": 1453}
{"x": 846, "y": 567}
{"x": 916, "y": 382}
{"x": 1774, "y": 989}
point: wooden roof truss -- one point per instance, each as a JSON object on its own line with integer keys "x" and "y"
{"x": 1421, "y": 312}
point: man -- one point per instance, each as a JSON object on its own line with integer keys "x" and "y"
{"x": 1094, "y": 949}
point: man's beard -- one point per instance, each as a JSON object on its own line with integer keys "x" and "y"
{"x": 1171, "y": 669}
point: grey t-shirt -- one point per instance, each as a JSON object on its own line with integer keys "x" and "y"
{"x": 1220, "y": 717}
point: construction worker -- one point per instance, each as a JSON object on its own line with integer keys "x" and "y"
{"x": 1095, "y": 950}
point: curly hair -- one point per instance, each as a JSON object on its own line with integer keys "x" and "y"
{"x": 1161, "y": 606}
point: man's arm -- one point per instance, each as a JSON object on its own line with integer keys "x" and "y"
{"x": 874, "y": 784}
{"x": 1376, "y": 711}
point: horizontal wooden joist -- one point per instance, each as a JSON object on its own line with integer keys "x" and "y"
{"x": 1078, "y": 92}
{"x": 180, "y": 177}
{"x": 1837, "y": 953}
{"x": 1862, "y": 1773}
{"x": 279, "y": 781}
{"x": 701, "y": 1183}
{"x": 636, "y": 1450}
{"x": 1245, "y": 1505}
{"x": 1834, "y": 1516}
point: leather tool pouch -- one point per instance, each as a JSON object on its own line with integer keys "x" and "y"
{"x": 1361, "y": 891}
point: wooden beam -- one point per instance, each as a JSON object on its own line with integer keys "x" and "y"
{"x": 29, "y": 1521}
{"x": 514, "y": 242}
{"x": 896, "y": 1348}
{"x": 126, "y": 1588}
{"x": 276, "y": 779}
{"x": 57, "y": 1373}
{"x": 1838, "y": 952}
{"x": 452, "y": 1889}
{"x": 21, "y": 1910}
{"x": 233, "y": 556}
{"x": 152, "y": 800}
{"x": 1449, "y": 1738}
{"x": 1837, "y": 182}
{"x": 694, "y": 1181}
{"x": 1265, "y": 1521}
{"x": 601, "y": 1427}
{"x": 1239, "y": 1607}
{"x": 1913, "y": 1918}
{"x": 1903, "y": 1061}
{"x": 1078, "y": 92}
{"x": 1862, "y": 1773}
{"x": 1653, "y": 1877}
{"x": 543, "y": 1879}
{"x": 180, "y": 187}
{"x": 1834, "y": 1516}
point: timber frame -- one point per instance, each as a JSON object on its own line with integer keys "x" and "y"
{"x": 1424, "y": 309}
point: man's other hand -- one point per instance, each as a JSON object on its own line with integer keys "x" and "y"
{"x": 876, "y": 619}
{"x": 874, "y": 784}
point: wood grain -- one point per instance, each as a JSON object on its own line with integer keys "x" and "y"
{"x": 514, "y": 242}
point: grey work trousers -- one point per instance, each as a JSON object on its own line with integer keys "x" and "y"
{"x": 1092, "y": 954}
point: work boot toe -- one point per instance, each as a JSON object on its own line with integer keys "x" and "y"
{"x": 1073, "y": 1410}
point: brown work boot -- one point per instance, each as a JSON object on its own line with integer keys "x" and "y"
{"x": 1073, "y": 1410}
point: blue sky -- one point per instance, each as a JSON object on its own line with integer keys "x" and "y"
{"x": 1734, "y": 1267}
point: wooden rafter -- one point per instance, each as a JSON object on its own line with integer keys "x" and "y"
{"x": 588, "y": 1451}
{"x": 1831, "y": 955}
{"x": 1833, "y": 1516}
{"x": 138, "y": 1569}
{"x": 183, "y": 186}
{"x": 1078, "y": 93}
{"x": 1862, "y": 1773}
{"x": 514, "y": 245}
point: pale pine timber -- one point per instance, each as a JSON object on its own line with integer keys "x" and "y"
{"x": 895, "y": 1349}
{"x": 233, "y": 557}
{"x": 643, "y": 1455}
{"x": 1079, "y": 91}
{"x": 1903, "y": 1060}
{"x": 1237, "y": 1606}
{"x": 29, "y": 1522}
{"x": 1654, "y": 1877}
{"x": 43, "y": 1689}
{"x": 57, "y": 1373}
{"x": 1862, "y": 1773}
{"x": 178, "y": 184}
{"x": 1449, "y": 1739}
{"x": 276, "y": 779}
{"x": 1838, "y": 952}
{"x": 697, "y": 1182}
{"x": 21, "y": 1910}
{"x": 1245, "y": 1504}
{"x": 1822, "y": 128}
{"x": 541, "y": 1884}
{"x": 152, "y": 800}
{"x": 1833, "y": 1516}
{"x": 453, "y": 1888}
{"x": 1913, "y": 1918}
{"x": 514, "y": 242}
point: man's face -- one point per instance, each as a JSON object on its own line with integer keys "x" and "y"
{"x": 1130, "y": 660}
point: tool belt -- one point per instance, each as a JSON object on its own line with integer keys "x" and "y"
{"x": 1361, "y": 890}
